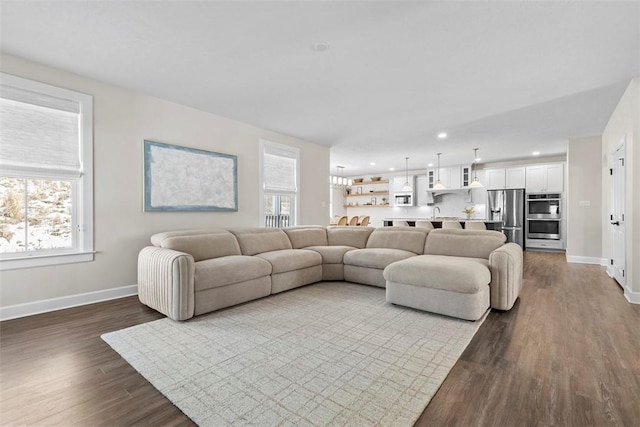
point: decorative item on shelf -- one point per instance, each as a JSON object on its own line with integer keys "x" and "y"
{"x": 376, "y": 178}
{"x": 469, "y": 211}
{"x": 406, "y": 187}
{"x": 359, "y": 190}
{"x": 439, "y": 185}
{"x": 374, "y": 201}
{"x": 475, "y": 183}
{"x": 357, "y": 180}
{"x": 384, "y": 201}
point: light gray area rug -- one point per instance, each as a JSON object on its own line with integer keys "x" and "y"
{"x": 327, "y": 354}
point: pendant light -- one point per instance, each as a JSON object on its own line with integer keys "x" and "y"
{"x": 439, "y": 185}
{"x": 475, "y": 183}
{"x": 407, "y": 187}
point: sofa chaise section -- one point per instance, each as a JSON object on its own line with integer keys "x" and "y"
{"x": 458, "y": 274}
{"x": 198, "y": 271}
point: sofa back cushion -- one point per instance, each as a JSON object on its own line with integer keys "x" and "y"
{"x": 463, "y": 243}
{"x": 404, "y": 238}
{"x": 349, "y": 236}
{"x": 303, "y": 237}
{"x": 258, "y": 240}
{"x": 200, "y": 244}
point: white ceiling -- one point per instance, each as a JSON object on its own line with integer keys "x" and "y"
{"x": 507, "y": 77}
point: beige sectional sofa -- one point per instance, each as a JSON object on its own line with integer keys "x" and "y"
{"x": 458, "y": 273}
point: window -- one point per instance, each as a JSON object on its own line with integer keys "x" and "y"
{"x": 46, "y": 171}
{"x": 279, "y": 166}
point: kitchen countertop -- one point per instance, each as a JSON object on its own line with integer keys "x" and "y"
{"x": 440, "y": 219}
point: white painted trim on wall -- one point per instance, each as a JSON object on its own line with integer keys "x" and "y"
{"x": 587, "y": 260}
{"x": 53, "y": 304}
{"x": 632, "y": 297}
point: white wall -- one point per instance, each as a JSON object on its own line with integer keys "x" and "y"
{"x": 625, "y": 124}
{"x": 584, "y": 184}
{"x": 122, "y": 120}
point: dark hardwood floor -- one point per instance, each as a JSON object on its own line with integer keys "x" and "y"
{"x": 568, "y": 353}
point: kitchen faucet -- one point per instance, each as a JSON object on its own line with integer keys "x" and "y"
{"x": 433, "y": 214}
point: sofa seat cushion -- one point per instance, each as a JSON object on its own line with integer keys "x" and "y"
{"x": 375, "y": 257}
{"x": 457, "y": 274}
{"x": 291, "y": 259}
{"x": 213, "y": 273}
{"x": 331, "y": 254}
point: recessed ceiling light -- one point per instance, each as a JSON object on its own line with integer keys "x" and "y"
{"x": 321, "y": 46}
{"x": 536, "y": 153}
{"x": 442, "y": 135}
{"x": 392, "y": 169}
{"x": 430, "y": 164}
{"x": 372, "y": 164}
{"x": 478, "y": 159}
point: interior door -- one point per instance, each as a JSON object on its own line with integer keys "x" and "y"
{"x": 617, "y": 262}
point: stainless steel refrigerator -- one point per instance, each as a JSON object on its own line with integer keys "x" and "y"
{"x": 508, "y": 206}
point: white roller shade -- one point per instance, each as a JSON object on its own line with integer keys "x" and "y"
{"x": 39, "y": 134}
{"x": 279, "y": 169}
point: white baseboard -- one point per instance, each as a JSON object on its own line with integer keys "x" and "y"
{"x": 586, "y": 260}
{"x": 632, "y": 297}
{"x": 53, "y": 304}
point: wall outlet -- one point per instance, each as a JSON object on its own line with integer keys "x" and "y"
{"x": 585, "y": 202}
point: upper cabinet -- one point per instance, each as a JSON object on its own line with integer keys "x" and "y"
{"x": 498, "y": 179}
{"x": 495, "y": 179}
{"x": 545, "y": 178}
{"x": 516, "y": 177}
{"x": 465, "y": 176}
{"x": 450, "y": 177}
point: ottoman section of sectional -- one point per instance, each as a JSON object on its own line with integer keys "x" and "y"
{"x": 449, "y": 285}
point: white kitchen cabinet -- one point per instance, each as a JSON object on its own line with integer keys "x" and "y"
{"x": 398, "y": 183}
{"x": 500, "y": 178}
{"x": 495, "y": 179}
{"x": 515, "y": 177}
{"x": 450, "y": 177}
{"x": 423, "y": 198}
{"x": 545, "y": 178}
{"x": 465, "y": 176}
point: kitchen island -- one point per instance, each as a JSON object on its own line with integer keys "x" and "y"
{"x": 437, "y": 222}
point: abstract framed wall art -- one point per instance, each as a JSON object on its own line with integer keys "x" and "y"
{"x": 180, "y": 178}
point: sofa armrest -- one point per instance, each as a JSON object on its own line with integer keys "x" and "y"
{"x": 166, "y": 281}
{"x": 506, "y": 267}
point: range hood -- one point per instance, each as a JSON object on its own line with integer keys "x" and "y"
{"x": 436, "y": 193}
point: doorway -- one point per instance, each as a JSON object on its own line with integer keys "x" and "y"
{"x": 617, "y": 219}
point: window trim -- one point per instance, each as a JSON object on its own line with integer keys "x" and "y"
{"x": 82, "y": 187}
{"x": 263, "y": 144}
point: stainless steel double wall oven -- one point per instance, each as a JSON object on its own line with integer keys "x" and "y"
{"x": 544, "y": 216}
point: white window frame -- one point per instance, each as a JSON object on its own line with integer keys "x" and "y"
{"x": 263, "y": 144}
{"x": 81, "y": 191}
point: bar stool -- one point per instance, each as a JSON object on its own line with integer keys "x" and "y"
{"x": 424, "y": 224}
{"x": 475, "y": 226}
{"x": 451, "y": 224}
